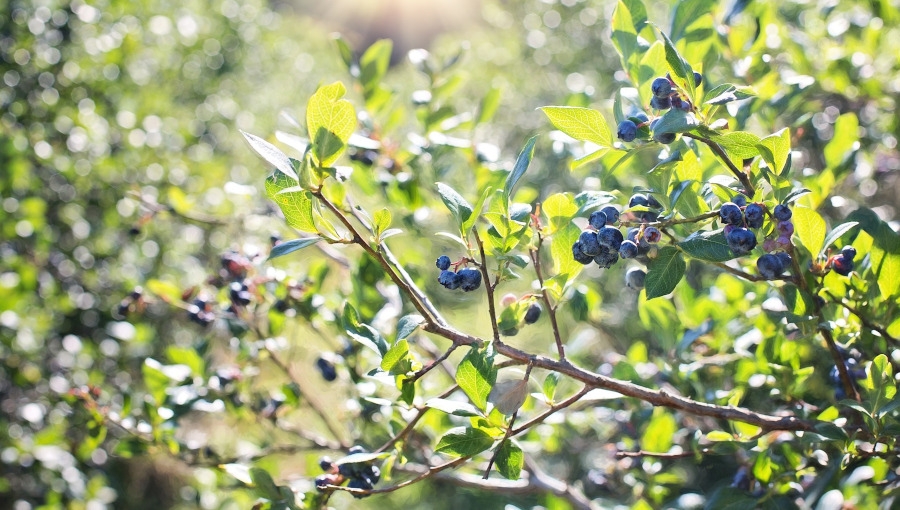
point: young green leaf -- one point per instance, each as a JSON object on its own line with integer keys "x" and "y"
{"x": 373, "y": 64}
{"x": 476, "y": 376}
{"x": 510, "y": 460}
{"x": 810, "y": 229}
{"x": 285, "y": 247}
{"x": 549, "y": 386}
{"x": 394, "y": 358}
{"x": 272, "y": 155}
{"x": 775, "y": 149}
{"x": 264, "y": 484}
{"x": 664, "y": 272}
{"x": 707, "y": 245}
{"x": 837, "y": 232}
{"x": 407, "y": 324}
{"x": 330, "y": 121}
{"x": 381, "y": 221}
{"x": 453, "y": 407}
{"x": 520, "y": 167}
{"x": 582, "y": 124}
{"x": 676, "y": 121}
{"x": 459, "y": 208}
{"x": 464, "y": 442}
{"x": 295, "y": 203}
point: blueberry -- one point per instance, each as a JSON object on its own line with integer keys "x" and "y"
{"x": 359, "y": 483}
{"x": 782, "y": 212}
{"x": 239, "y": 293}
{"x": 612, "y": 214}
{"x": 739, "y": 200}
{"x": 470, "y": 279}
{"x": 590, "y": 245}
{"x": 640, "y": 118}
{"x": 848, "y": 252}
{"x": 443, "y": 263}
{"x": 610, "y": 238}
{"x": 676, "y": 101}
{"x": 731, "y": 214}
{"x": 533, "y": 313}
{"x": 660, "y": 103}
{"x": 597, "y": 220}
{"x": 661, "y": 87}
{"x": 627, "y": 131}
{"x": 372, "y": 473}
{"x": 754, "y": 215}
{"x": 326, "y": 368}
{"x": 607, "y": 258}
{"x": 326, "y": 463}
{"x": 634, "y": 278}
{"x": 652, "y": 234}
{"x": 639, "y": 199}
{"x": 685, "y": 105}
{"x": 628, "y": 249}
{"x": 356, "y": 449}
{"x": 449, "y": 279}
{"x": 741, "y": 241}
{"x": 842, "y": 265}
{"x": 664, "y": 138}
{"x": 698, "y": 78}
{"x": 769, "y": 266}
{"x": 785, "y": 258}
{"x": 653, "y": 203}
{"x": 579, "y": 255}
{"x": 785, "y": 228}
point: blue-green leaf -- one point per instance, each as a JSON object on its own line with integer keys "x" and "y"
{"x": 285, "y": 247}
{"x": 664, "y": 272}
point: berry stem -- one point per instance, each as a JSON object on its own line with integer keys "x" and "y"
{"x": 488, "y": 286}
{"x": 720, "y": 152}
{"x": 551, "y": 310}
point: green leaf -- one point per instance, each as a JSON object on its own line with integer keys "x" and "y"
{"x": 381, "y": 221}
{"x": 762, "y": 468}
{"x": 295, "y": 203}
{"x": 344, "y": 50}
{"x": 186, "y": 356}
{"x": 810, "y": 229}
{"x": 330, "y": 121}
{"x": 488, "y": 106}
{"x": 561, "y": 251}
{"x": 707, "y": 245}
{"x": 272, "y": 155}
{"x": 679, "y": 66}
{"x": 559, "y": 208}
{"x": 583, "y": 124}
{"x": 844, "y": 140}
{"x": 676, "y": 120}
{"x": 373, "y": 64}
{"x": 719, "y": 435}
{"x": 285, "y": 247}
{"x": 686, "y": 13}
{"x": 521, "y": 166}
{"x": 362, "y": 333}
{"x": 550, "y": 383}
{"x": 837, "y": 232}
{"x": 239, "y": 471}
{"x": 664, "y": 272}
{"x": 167, "y": 291}
{"x": 779, "y": 148}
{"x": 459, "y": 208}
{"x": 407, "y": 324}
{"x": 739, "y": 144}
{"x": 884, "y": 253}
{"x": 395, "y": 356}
{"x": 476, "y": 376}
{"x": 464, "y": 442}
{"x": 453, "y": 407}
{"x": 657, "y": 436}
{"x": 510, "y": 460}
{"x": 264, "y": 484}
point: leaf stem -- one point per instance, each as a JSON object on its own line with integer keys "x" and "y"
{"x": 720, "y": 152}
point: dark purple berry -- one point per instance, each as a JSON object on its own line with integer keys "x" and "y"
{"x": 579, "y": 255}
{"x": 754, "y": 215}
{"x": 325, "y": 463}
{"x": 590, "y": 245}
{"x": 634, "y": 278}
{"x": 449, "y": 279}
{"x": 664, "y": 138}
{"x": 848, "y": 252}
{"x": 597, "y": 220}
{"x": 470, "y": 279}
{"x": 627, "y": 131}
{"x": 443, "y": 263}
{"x": 359, "y": 483}
{"x": 731, "y": 214}
{"x": 533, "y": 313}
{"x": 652, "y": 234}
{"x": 653, "y": 203}
{"x": 610, "y": 238}
{"x": 769, "y": 266}
{"x": 326, "y": 368}
{"x": 660, "y": 103}
{"x": 607, "y": 258}
{"x": 842, "y": 265}
{"x": 741, "y": 241}
{"x": 785, "y": 258}
{"x": 698, "y": 79}
{"x": 612, "y": 214}
{"x": 785, "y": 228}
{"x": 628, "y": 249}
{"x": 661, "y": 87}
{"x": 638, "y": 199}
{"x": 782, "y": 212}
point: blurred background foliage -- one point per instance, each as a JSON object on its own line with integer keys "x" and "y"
{"x": 128, "y": 195}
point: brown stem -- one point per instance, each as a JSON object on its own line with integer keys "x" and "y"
{"x": 720, "y": 152}
{"x": 428, "y": 473}
{"x": 642, "y": 453}
{"x": 492, "y": 312}
{"x": 551, "y": 310}
{"x": 421, "y": 410}
{"x": 881, "y": 330}
{"x": 509, "y": 430}
{"x": 667, "y": 223}
{"x": 437, "y": 362}
{"x": 551, "y": 410}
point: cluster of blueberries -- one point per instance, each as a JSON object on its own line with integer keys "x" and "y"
{"x": 467, "y": 279}
{"x": 532, "y": 313}
{"x": 201, "y": 312}
{"x": 842, "y": 263}
{"x": 664, "y": 97}
{"x": 362, "y": 475}
{"x": 741, "y": 219}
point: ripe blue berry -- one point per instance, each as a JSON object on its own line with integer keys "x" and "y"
{"x": 769, "y": 266}
{"x": 754, "y": 214}
{"x": 842, "y": 265}
{"x": 628, "y": 249}
{"x": 640, "y": 118}
{"x": 731, "y": 214}
{"x": 661, "y": 87}
{"x": 638, "y": 199}
{"x": 443, "y": 263}
{"x": 664, "y": 138}
{"x": 607, "y": 257}
{"x": 470, "y": 279}
{"x": 741, "y": 241}
{"x": 627, "y": 131}
{"x": 590, "y": 245}
{"x": 848, "y": 252}
{"x": 449, "y": 279}
{"x": 698, "y": 78}
{"x": 597, "y": 220}
{"x": 612, "y": 214}
{"x": 579, "y": 255}
{"x": 782, "y": 212}
{"x": 660, "y": 103}
{"x": 326, "y": 368}
{"x": 785, "y": 258}
{"x": 739, "y": 200}
{"x": 634, "y": 278}
{"x": 610, "y": 238}
{"x": 533, "y": 313}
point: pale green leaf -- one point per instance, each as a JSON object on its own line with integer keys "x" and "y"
{"x": 330, "y": 121}
{"x": 810, "y": 229}
{"x": 583, "y": 124}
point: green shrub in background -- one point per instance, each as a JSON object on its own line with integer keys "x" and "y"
{"x": 162, "y": 348}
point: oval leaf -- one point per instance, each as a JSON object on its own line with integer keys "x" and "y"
{"x": 291, "y": 246}
{"x": 271, "y": 154}
{"x": 464, "y": 442}
{"x": 582, "y": 124}
{"x": 664, "y": 272}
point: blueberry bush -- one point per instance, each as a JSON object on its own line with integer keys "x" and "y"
{"x": 679, "y": 289}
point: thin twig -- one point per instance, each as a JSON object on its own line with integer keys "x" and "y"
{"x": 681, "y": 455}
{"x": 509, "y": 430}
{"x": 421, "y": 410}
{"x": 551, "y": 410}
{"x": 720, "y": 152}
{"x": 551, "y": 310}
{"x": 881, "y": 330}
{"x": 430, "y": 472}
{"x": 492, "y": 312}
